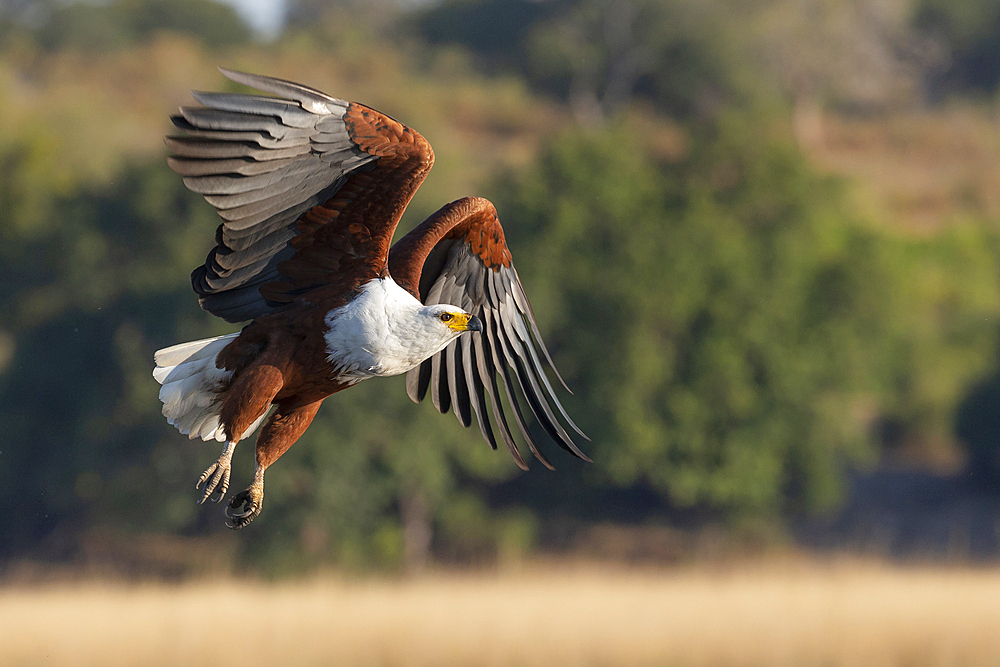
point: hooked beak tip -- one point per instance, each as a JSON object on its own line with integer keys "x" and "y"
{"x": 474, "y": 324}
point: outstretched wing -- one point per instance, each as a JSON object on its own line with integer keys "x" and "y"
{"x": 459, "y": 256}
{"x": 310, "y": 189}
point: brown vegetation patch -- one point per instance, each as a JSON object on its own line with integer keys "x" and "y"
{"x": 920, "y": 169}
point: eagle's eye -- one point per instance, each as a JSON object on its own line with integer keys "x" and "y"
{"x": 446, "y": 317}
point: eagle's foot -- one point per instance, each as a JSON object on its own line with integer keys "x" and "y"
{"x": 216, "y": 478}
{"x": 251, "y": 500}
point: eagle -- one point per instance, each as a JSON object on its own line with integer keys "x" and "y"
{"x": 310, "y": 189}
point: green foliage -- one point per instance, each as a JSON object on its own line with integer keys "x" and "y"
{"x": 945, "y": 319}
{"x": 597, "y": 56}
{"x": 969, "y": 32}
{"x": 104, "y": 27}
{"x": 737, "y": 335}
{"x": 724, "y": 314}
{"x": 93, "y": 286}
{"x": 496, "y": 30}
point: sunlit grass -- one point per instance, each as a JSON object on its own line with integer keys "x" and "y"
{"x": 794, "y": 615}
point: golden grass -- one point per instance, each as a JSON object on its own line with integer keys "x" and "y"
{"x": 795, "y": 616}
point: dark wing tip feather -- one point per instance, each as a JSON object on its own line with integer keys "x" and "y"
{"x": 533, "y": 341}
{"x": 516, "y": 359}
{"x": 488, "y": 378}
{"x": 517, "y": 291}
{"x": 493, "y": 336}
{"x": 459, "y": 256}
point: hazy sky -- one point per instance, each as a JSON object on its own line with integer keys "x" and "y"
{"x": 264, "y": 15}
{"x": 267, "y": 15}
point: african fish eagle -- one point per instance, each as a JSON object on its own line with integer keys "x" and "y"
{"x": 310, "y": 189}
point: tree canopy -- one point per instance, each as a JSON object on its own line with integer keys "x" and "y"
{"x": 738, "y": 327}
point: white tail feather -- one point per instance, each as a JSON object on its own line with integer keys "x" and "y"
{"x": 192, "y": 350}
{"x": 192, "y": 388}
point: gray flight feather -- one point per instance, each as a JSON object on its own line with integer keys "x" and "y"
{"x": 262, "y": 162}
{"x": 508, "y": 352}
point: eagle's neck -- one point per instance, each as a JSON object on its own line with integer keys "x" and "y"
{"x": 382, "y": 331}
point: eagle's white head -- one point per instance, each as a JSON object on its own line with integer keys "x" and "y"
{"x": 428, "y": 329}
{"x": 385, "y": 331}
{"x": 454, "y": 320}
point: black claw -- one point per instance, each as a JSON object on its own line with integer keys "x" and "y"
{"x": 238, "y": 500}
{"x": 202, "y": 479}
{"x": 251, "y": 508}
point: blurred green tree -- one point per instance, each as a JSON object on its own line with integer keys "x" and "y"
{"x": 969, "y": 34}
{"x": 732, "y": 326}
{"x": 104, "y": 27}
{"x": 597, "y": 56}
{"x": 92, "y": 283}
{"x": 726, "y": 313}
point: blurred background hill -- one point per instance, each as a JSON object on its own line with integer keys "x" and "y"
{"x": 761, "y": 238}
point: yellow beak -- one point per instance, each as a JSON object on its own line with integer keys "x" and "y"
{"x": 466, "y": 323}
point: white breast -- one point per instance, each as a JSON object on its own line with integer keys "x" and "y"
{"x": 383, "y": 331}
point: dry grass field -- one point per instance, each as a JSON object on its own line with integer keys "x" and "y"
{"x": 796, "y": 615}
